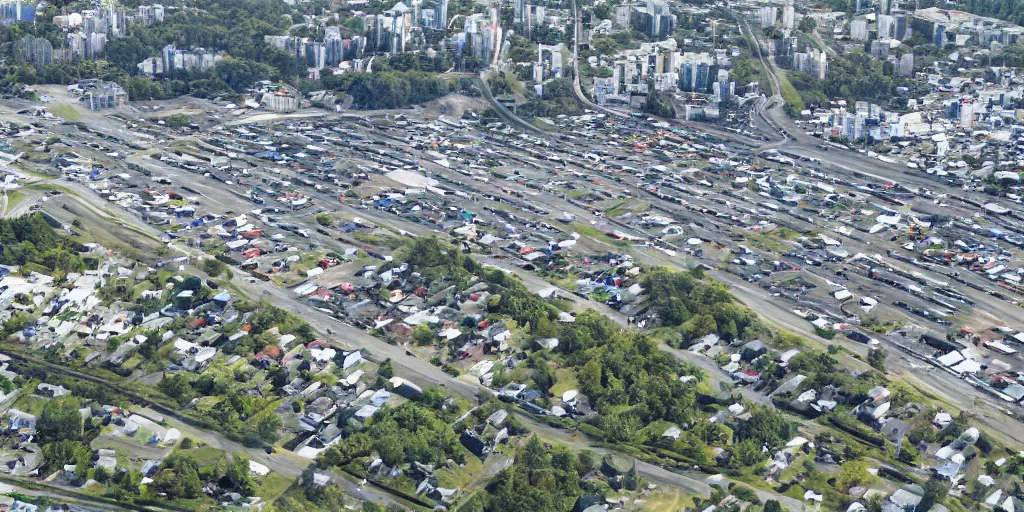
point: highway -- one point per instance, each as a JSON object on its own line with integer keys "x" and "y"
{"x": 770, "y": 121}
{"x": 502, "y": 111}
{"x": 773, "y": 310}
{"x": 348, "y": 337}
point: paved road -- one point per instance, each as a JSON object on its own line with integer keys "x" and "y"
{"x": 360, "y": 491}
{"x": 689, "y": 481}
{"x": 503, "y": 111}
{"x": 73, "y": 495}
{"x": 535, "y": 283}
{"x": 349, "y": 337}
{"x": 283, "y": 462}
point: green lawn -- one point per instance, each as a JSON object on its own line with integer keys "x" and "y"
{"x": 544, "y": 124}
{"x": 668, "y": 499}
{"x": 139, "y": 288}
{"x": 566, "y": 381}
{"x": 596, "y": 234}
{"x": 13, "y": 198}
{"x": 274, "y": 485}
{"x": 459, "y": 477}
{"x": 205, "y": 456}
{"x": 68, "y": 112}
{"x": 30, "y": 404}
{"x": 789, "y": 92}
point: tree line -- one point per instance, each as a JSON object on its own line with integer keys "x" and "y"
{"x": 31, "y": 240}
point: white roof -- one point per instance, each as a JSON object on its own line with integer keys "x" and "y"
{"x": 351, "y": 359}
{"x": 451, "y": 333}
{"x": 796, "y": 441}
{"x": 352, "y": 379}
{"x": 258, "y": 469}
{"x": 548, "y": 343}
{"x": 993, "y": 499}
{"x": 323, "y": 355}
{"x": 183, "y": 345}
{"x": 77, "y": 295}
{"x": 171, "y": 435}
{"x": 205, "y": 354}
{"x": 787, "y": 355}
{"x": 951, "y": 358}
{"x": 968, "y": 366}
{"x": 945, "y": 452}
{"x": 881, "y": 410}
{"x": 942, "y": 419}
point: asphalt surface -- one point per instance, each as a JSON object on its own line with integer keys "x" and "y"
{"x": 775, "y": 311}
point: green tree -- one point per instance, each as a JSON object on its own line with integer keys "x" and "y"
{"x": 214, "y": 267}
{"x": 767, "y": 426}
{"x": 239, "y": 475}
{"x": 6, "y": 385}
{"x": 177, "y": 386}
{"x": 387, "y": 442}
{"x": 17, "y": 322}
{"x": 267, "y": 425}
{"x": 190, "y": 485}
{"x": 534, "y": 455}
{"x": 660, "y": 104}
{"x": 278, "y": 376}
{"x": 60, "y": 420}
{"x": 62, "y": 452}
{"x": 241, "y": 74}
{"x": 748, "y": 453}
{"x": 126, "y": 52}
{"x": 853, "y": 474}
{"x": 130, "y": 482}
{"x": 630, "y": 480}
{"x": 386, "y": 369}
{"x": 935, "y": 492}
{"x": 876, "y": 358}
{"x": 698, "y": 326}
{"x": 423, "y": 335}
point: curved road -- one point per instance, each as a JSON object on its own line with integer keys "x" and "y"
{"x": 348, "y": 337}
